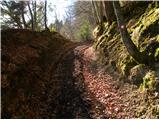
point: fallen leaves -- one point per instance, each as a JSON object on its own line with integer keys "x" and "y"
{"x": 100, "y": 90}
{"x": 26, "y": 84}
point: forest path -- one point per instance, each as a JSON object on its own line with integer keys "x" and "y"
{"x": 51, "y": 77}
{"x": 85, "y": 90}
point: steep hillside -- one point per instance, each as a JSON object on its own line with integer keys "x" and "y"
{"x": 29, "y": 60}
{"x": 114, "y": 58}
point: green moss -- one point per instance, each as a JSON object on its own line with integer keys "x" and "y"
{"x": 156, "y": 54}
{"x": 155, "y": 111}
{"x": 101, "y": 39}
{"x": 96, "y": 32}
{"x": 136, "y": 35}
{"x": 150, "y": 81}
{"x": 114, "y": 56}
{"x": 125, "y": 64}
{"x": 137, "y": 73}
{"x": 110, "y": 44}
{"x": 110, "y": 29}
{"x": 98, "y": 42}
{"x": 150, "y": 16}
{"x": 147, "y": 25}
{"x": 99, "y": 30}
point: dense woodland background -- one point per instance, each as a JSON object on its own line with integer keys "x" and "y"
{"x": 77, "y": 24}
{"x": 100, "y": 61}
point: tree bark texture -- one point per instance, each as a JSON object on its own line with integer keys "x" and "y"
{"x": 45, "y": 15}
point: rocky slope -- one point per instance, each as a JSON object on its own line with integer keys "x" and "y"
{"x": 139, "y": 82}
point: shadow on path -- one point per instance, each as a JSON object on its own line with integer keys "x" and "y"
{"x": 69, "y": 101}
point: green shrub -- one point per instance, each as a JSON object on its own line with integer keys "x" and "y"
{"x": 84, "y": 34}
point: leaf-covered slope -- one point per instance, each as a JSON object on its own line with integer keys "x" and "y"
{"x": 28, "y": 62}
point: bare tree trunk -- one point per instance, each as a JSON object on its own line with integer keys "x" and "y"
{"x": 109, "y": 11}
{"x": 94, "y": 12}
{"x": 31, "y": 14}
{"x": 101, "y": 12}
{"x": 22, "y": 13}
{"x": 35, "y": 14}
{"x": 95, "y": 6}
{"x": 131, "y": 47}
{"x": 101, "y": 16}
{"x": 45, "y": 15}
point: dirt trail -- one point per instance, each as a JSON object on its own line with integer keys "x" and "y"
{"x": 69, "y": 101}
{"x": 86, "y": 92}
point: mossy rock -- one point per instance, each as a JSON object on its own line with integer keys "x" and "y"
{"x": 156, "y": 54}
{"x": 147, "y": 25}
{"x": 110, "y": 29}
{"x": 150, "y": 81}
{"x": 125, "y": 63}
{"x": 155, "y": 111}
{"x": 100, "y": 39}
{"x": 97, "y": 32}
{"x": 137, "y": 73}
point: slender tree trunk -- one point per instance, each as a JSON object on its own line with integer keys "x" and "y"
{"x": 131, "y": 48}
{"x": 101, "y": 16}
{"x": 101, "y": 12}
{"x": 96, "y": 10}
{"x": 98, "y": 7}
{"x": 22, "y": 13}
{"x": 45, "y": 15}
{"x": 109, "y": 11}
{"x": 31, "y": 14}
{"x": 23, "y": 19}
{"x": 35, "y": 14}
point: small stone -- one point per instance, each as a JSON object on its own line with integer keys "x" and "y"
{"x": 156, "y": 94}
{"x": 116, "y": 109}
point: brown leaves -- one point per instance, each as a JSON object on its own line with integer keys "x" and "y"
{"x": 100, "y": 88}
{"x": 105, "y": 101}
{"x": 4, "y": 81}
{"x": 25, "y": 84}
{"x": 21, "y": 54}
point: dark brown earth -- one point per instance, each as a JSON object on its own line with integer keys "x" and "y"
{"x": 50, "y": 77}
